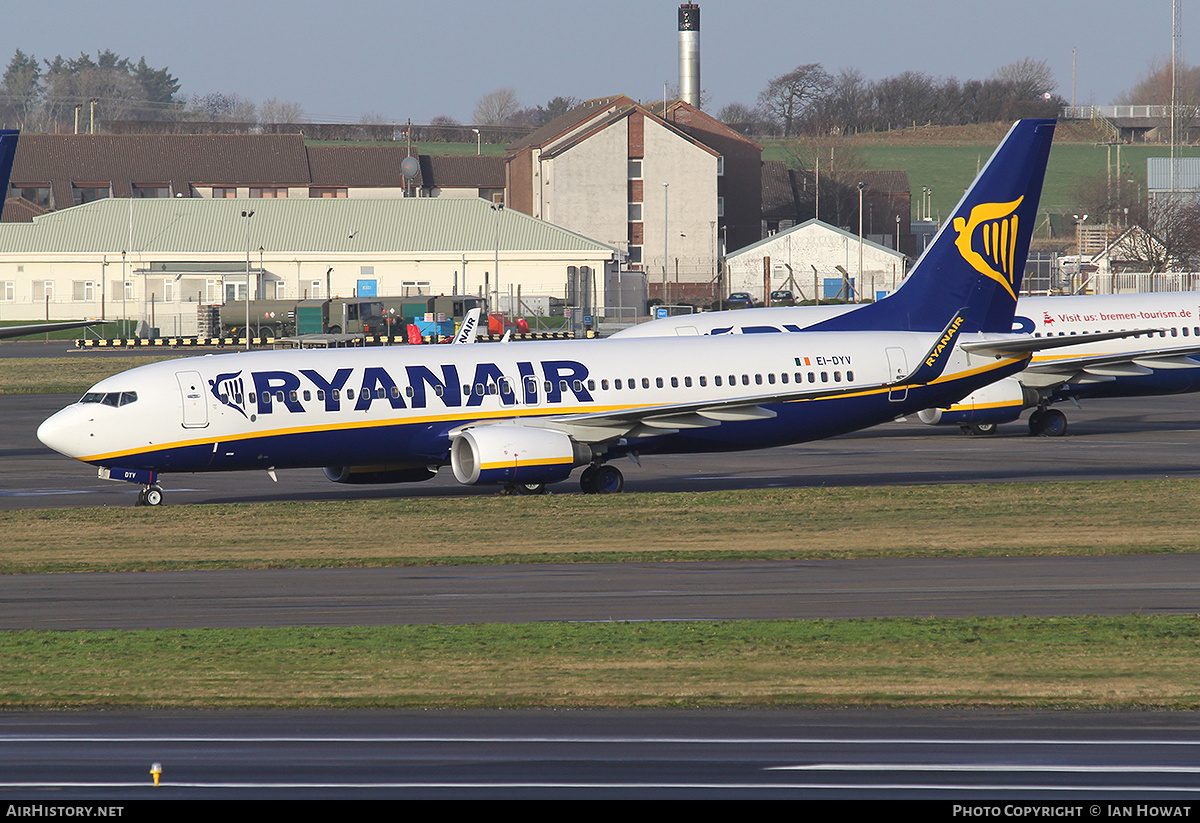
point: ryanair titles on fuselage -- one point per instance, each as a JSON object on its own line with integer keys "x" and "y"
{"x": 377, "y": 384}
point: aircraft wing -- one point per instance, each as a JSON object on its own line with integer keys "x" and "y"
{"x": 1021, "y": 344}
{"x": 650, "y": 421}
{"x": 1055, "y": 369}
{"x": 1121, "y": 364}
{"x": 40, "y": 328}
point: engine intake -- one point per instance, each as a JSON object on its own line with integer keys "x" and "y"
{"x": 515, "y": 454}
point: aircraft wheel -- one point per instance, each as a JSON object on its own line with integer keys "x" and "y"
{"x": 531, "y": 488}
{"x": 587, "y": 480}
{"x": 1052, "y": 423}
{"x": 1035, "y": 421}
{"x": 983, "y": 428}
{"x": 150, "y": 496}
{"x": 608, "y": 480}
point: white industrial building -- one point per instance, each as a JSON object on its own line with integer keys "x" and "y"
{"x": 158, "y": 259}
{"x": 815, "y": 259}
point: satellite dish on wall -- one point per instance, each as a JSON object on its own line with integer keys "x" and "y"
{"x": 409, "y": 167}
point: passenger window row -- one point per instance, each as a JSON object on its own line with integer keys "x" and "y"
{"x": 504, "y": 386}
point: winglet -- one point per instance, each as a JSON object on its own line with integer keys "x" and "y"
{"x": 934, "y": 363}
{"x": 469, "y": 328}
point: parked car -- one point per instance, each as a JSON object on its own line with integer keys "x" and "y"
{"x": 739, "y": 300}
{"x": 783, "y": 297}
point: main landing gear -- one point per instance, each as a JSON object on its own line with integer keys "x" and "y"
{"x": 1047, "y": 423}
{"x": 983, "y": 429}
{"x": 601, "y": 479}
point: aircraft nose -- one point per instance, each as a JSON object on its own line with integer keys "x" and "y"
{"x": 61, "y": 432}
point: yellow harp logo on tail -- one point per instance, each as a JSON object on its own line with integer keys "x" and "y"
{"x": 996, "y": 226}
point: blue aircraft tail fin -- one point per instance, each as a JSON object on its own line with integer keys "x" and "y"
{"x": 976, "y": 261}
{"x": 8, "y": 151}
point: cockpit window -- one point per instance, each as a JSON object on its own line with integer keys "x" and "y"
{"x": 112, "y": 398}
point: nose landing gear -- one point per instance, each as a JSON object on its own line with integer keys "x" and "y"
{"x": 150, "y": 496}
{"x": 151, "y": 493}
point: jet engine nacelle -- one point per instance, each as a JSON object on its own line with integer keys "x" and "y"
{"x": 515, "y": 454}
{"x": 363, "y": 475}
{"x": 999, "y": 402}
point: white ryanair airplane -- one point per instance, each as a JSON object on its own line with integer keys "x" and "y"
{"x": 1118, "y": 345}
{"x": 527, "y": 414}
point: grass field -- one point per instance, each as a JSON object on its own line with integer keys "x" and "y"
{"x": 949, "y": 170}
{"x": 1068, "y": 662}
{"x": 925, "y": 521}
{"x": 72, "y": 374}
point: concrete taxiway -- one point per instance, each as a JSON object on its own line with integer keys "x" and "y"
{"x": 1114, "y": 439}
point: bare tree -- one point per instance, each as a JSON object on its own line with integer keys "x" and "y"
{"x": 495, "y": 108}
{"x": 837, "y": 165}
{"x": 787, "y": 98}
{"x": 1174, "y": 222}
{"x": 743, "y": 118}
{"x": 1029, "y": 79}
{"x": 22, "y": 86}
{"x": 1154, "y": 89}
{"x": 274, "y": 110}
{"x": 218, "y": 106}
{"x": 846, "y": 107}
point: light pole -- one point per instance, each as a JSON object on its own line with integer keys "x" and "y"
{"x": 246, "y": 215}
{"x": 666, "y": 234}
{"x": 478, "y": 143}
{"x": 497, "y": 208}
{"x": 861, "y": 188}
{"x": 124, "y": 307}
{"x": 1079, "y": 248}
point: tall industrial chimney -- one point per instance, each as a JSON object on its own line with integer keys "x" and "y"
{"x": 689, "y": 53}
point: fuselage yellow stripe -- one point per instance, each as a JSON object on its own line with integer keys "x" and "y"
{"x": 506, "y": 414}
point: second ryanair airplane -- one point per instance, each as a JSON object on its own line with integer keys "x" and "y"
{"x": 527, "y": 414}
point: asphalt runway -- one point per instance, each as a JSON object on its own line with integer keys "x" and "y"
{"x": 1086, "y": 760}
{"x": 598, "y": 592}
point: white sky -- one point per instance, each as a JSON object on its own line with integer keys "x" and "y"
{"x": 418, "y": 60}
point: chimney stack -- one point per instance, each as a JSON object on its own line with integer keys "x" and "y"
{"x": 689, "y": 53}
